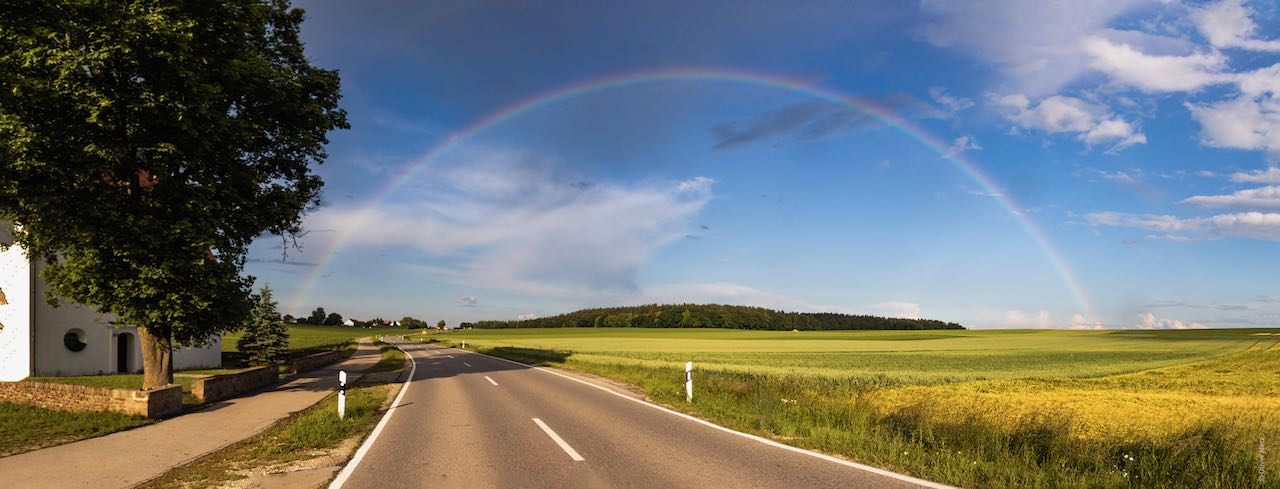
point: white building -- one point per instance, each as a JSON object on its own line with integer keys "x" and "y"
{"x": 39, "y": 340}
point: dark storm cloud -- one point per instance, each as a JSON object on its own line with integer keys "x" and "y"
{"x": 811, "y": 121}
{"x": 778, "y": 121}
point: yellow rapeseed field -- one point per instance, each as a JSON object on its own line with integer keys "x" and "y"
{"x": 1242, "y": 390}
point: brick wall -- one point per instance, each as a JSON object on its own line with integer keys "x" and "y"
{"x": 156, "y": 403}
{"x": 311, "y": 362}
{"x": 219, "y": 387}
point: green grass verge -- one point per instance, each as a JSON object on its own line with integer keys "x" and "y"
{"x": 392, "y": 358}
{"x": 24, "y": 428}
{"x": 297, "y": 437}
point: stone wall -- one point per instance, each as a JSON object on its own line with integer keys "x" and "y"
{"x": 312, "y": 362}
{"x": 219, "y": 387}
{"x": 156, "y": 403}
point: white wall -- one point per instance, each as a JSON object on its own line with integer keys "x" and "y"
{"x": 15, "y": 315}
{"x": 52, "y": 323}
{"x": 28, "y": 319}
{"x": 101, "y": 354}
{"x": 209, "y": 356}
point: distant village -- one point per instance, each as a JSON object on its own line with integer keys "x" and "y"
{"x": 319, "y": 317}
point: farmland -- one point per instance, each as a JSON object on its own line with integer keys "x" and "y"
{"x": 974, "y": 408}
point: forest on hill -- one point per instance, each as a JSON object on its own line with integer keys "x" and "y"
{"x": 713, "y": 316}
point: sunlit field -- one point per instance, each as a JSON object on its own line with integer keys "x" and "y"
{"x": 306, "y": 337}
{"x": 974, "y": 408}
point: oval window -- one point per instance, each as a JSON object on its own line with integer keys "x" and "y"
{"x": 74, "y": 340}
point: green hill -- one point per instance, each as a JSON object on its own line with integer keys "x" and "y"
{"x": 713, "y": 316}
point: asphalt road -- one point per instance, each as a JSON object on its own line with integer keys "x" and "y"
{"x": 474, "y": 421}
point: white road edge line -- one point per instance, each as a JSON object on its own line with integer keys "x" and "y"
{"x": 467, "y": 364}
{"x": 759, "y": 439}
{"x": 490, "y": 379}
{"x": 573, "y": 454}
{"x": 377, "y": 430}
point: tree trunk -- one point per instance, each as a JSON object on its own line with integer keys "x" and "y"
{"x": 157, "y": 359}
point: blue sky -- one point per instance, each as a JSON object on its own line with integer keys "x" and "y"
{"x": 1137, "y": 138}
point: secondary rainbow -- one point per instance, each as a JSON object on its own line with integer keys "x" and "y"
{"x": 801, "y": 87}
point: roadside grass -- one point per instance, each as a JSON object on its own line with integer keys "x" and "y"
{"x": 1148, "y": 423}
{"x": 392, "y": 358}
{"x": 24, "y": 428}
{"x": 310, "y": 433}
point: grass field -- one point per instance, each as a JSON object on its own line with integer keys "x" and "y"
{"x": 308, "y": 338}
{"x": 973, "y": 408}
{"x": 24, "y": 428}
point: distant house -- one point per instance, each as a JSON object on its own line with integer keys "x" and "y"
{"x": 349, "y": 322}
{"x": 36, "y": 339}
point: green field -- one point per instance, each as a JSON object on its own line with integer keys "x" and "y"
{"x": 974, "y": 408}
{"x": 308, "y": 338}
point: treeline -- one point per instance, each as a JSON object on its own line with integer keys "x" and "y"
{"x": 713, "y": 316}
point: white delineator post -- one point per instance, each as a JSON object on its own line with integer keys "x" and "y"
{"x": 342, "y": 394}
{"x": 688, "y": 382}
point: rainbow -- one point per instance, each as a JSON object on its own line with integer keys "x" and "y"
{"x": 800, "y": 87}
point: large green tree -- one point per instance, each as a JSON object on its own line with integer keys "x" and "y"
{"x": 144, "y": 144}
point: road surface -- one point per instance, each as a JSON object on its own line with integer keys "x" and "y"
{"x": 473, "y": 421}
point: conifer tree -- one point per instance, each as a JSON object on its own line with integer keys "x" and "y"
{"x": 266, "y": 338}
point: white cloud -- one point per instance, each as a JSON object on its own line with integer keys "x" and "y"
{"x": 510, "y": 217}
{"x": 898, "y": 309}
{"x": 1114, "y": 129}
{"x": 467, "y": 300}
{"x": 1155, "y": 73}
{"x": 1255, "y": 198}
{"x": 1148, "y": 320}
{"x": 1242, "y": 123}
{"x": 962, "y": 144}
{"x": 526, "y": 317}
{"x": 1036, "y": 45}
{"x": 1079, "y": 322}
{"x": 1120, "y": 177}
{"x": 1270, "y": 175}
{"x": 1149, "y": 222}
{"x": 952, "y": 103}
{"x": 1092, "y": 123}
{"x": 1257, "y": 225}
{"x": 1227, "y": 24}
{"x": 1018, "y": 319}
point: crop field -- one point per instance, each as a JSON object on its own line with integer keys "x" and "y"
{"x": 974, "y": 408}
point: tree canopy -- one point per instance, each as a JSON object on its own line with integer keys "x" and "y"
{"x": 145, "y": 144}
{"x": 713, "y": 316}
